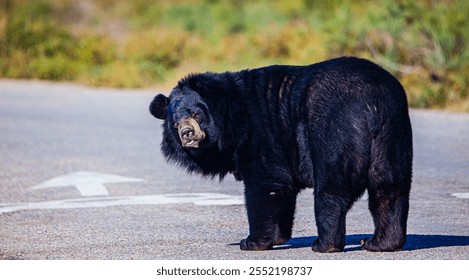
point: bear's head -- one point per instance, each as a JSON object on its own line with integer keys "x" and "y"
{"x": 186, "y": 115}
{"x": 203, "y": 123}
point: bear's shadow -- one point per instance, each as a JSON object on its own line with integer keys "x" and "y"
{"x": 414, "y": 242}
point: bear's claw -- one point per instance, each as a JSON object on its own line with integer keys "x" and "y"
{"x": 247, "y": 245}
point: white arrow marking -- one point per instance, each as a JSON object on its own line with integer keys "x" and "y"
{"x": 461, "y": 195}
{"x": 364, "y": 196}
{"x": 88, "y": 183}
{"x": 196, "y": 198}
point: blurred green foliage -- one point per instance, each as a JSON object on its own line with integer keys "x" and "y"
{"x": 144, "y": 43}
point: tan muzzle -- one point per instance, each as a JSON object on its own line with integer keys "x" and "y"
{"x": 190, "y": 133}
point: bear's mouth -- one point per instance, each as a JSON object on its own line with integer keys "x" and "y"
{"x": 190, "y": 133}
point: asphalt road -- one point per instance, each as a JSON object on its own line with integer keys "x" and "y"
{"x": 82, "y": 177}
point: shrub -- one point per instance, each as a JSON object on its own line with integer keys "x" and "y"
{"x": 424, "y": 43}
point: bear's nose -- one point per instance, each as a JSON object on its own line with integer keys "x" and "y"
{"x": 190, "y": 133}
{"x": 187, "y": 132}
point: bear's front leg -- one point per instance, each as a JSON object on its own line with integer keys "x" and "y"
{"x": 270, "y": 216}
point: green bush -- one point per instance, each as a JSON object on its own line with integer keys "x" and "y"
{"x": 38, "y": 46}
{"x": 144, "y": 43}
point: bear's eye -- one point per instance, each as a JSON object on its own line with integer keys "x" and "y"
{"x": 176, "y": 124}
{"x": 196, "y": 116}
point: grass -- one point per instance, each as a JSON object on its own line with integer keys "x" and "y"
{"x": 147, "y": 43}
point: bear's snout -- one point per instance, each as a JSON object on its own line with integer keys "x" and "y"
{"x": 190, "y": 133}
{"x": 187, "y": 132}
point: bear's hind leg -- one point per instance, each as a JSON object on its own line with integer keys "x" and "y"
{"x": 390, "y": 176}
{"x": 330, "y": 212}
{"x": 270, "y": 216}
{"x": 389, "y": 211}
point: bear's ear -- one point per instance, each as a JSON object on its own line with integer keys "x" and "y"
{"x": 159, "y": 106}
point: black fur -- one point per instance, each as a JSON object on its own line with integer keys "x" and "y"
{"x": 339, "y": 126}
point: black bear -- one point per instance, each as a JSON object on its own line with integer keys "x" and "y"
{"x": 340, "y": 127}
